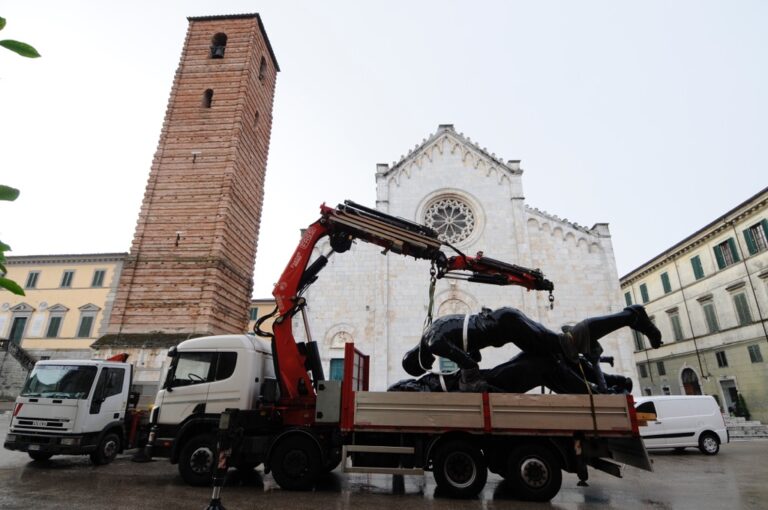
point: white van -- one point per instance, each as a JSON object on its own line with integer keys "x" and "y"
{"x": 683, "y": 421}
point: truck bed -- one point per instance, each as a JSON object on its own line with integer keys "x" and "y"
{"x": 605, "y": 420}
{"x": 499, "y": 413}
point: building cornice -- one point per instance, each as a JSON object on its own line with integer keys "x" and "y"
{"x": 698, "y": 238}
{"x": 84, "y": 258}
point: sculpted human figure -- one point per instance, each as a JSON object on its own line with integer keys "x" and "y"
{"x": 460, "y": 338}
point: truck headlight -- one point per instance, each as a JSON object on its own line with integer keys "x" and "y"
{"x": 10, "y": 437}
{"x": 70, "y": 441}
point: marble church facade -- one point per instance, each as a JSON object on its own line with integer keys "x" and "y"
{"x": 380, "y": 302}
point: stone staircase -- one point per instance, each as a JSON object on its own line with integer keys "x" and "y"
{"x": 15, "y": 364}
{"x": 742, "y": 430}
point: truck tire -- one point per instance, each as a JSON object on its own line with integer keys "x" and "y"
{"x": 709, "y": 443}
{"x": 296, "y": 463}
{"x": 460, "y": 469}
{"x": 332, "y": 461}
{"x": 39, "y": 456}
{"x": 534, "y": 473}
{"x": 197, "y": 460}
{"x": 106, "y": 450}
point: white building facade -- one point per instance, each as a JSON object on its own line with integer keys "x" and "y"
{"x": 450, "y": 183}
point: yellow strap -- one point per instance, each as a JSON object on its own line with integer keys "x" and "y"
{"x": 591, "y": 398}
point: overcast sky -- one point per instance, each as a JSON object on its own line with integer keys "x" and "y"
{"x": 650, "y": 116}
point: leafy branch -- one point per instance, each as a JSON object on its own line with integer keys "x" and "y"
{"x": 6, "y": 192}
{"x": 10, "y": 194}
{"x": 23, "y": 49}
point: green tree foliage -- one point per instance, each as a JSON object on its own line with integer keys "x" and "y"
{"x": 23, "y": 49}
{"x": 6, "y": 192}
{"x": 741, "y": 408}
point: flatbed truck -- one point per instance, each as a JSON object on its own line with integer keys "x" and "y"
{"x": 244, "y": 400}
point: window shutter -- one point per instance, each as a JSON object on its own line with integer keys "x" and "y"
{"x": 734, "y": 249}
{"x": 644, "y": 293}
{"x": 665, "y": 283}
{"x": 765, "y": 227}
{"x": 628, "y": 298}
{"x": 751, "y": 245}
{"x": 742, "y": 309}
{"x": 698, "y": 271}
{"x": 719, "y": 258}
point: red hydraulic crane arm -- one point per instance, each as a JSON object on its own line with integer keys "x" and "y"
{"x": 343, "y": 224}
{"x": 487, "y": 270}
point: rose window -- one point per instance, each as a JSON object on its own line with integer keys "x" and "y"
{"x": 452, "y": 218}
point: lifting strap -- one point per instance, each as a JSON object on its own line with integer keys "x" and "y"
{"x": 430, "y": 307}
{"x": 465, "y": 332}
{"x": 591, "y": 398}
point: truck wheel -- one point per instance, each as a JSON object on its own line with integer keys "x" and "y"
{"x": 332, "y": 461}
{"x": 197, "y": 460}
{"x": 296, "y": 463}
{"x": 107, "y": 449}
{"x": 534, "y": 473}
{"x": 39, "y": 456}
{"x": 709, "y": 443}
{"x": 460, "y": 469}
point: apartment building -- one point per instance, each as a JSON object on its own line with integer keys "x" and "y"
{"x": 708, "y": 294}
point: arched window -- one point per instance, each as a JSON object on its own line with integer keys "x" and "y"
{"x": 218, "y": 45}
{"x": 208, "y": 98}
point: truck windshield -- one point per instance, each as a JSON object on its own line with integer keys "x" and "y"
{"x": 59, "y": 381}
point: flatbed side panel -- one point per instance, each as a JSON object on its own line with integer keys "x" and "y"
{"x": 559, "y": 412}
{"x": 419, "y": 410}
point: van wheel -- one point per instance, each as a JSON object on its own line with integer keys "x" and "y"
{"x": 709, "y": 443}
{"x": 40, "y": 456}
{"x": 196, "y": 460}
{"x": 107, "y": 450}
{"x": 534, "y": 473}
{"x": 460, "y": 469}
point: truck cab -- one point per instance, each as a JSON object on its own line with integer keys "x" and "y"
{"x": 72, "y": 407}
{"x": 205, "y": 376}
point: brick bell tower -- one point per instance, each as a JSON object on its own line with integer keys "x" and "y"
{"x": 190, "y": 268}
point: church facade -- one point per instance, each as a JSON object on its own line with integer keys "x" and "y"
{"x": 476, "y": 201}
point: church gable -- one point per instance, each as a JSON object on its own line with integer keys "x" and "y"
{"x": 447, "y": 142}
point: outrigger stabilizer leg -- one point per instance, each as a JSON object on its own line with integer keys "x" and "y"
{"x": 224, "y": 452}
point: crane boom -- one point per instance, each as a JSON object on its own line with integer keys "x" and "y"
{"x": 344, "y": 224}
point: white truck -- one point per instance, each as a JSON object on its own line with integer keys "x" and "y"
{"x": 76, "y": 407}
{"x": 267, "y": 401}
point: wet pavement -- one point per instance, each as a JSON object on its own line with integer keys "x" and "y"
{"x": 736, "y": 478}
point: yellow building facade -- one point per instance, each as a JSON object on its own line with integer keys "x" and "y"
{"x": 67, "y": 302}
{"x": 66, "y": 307}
